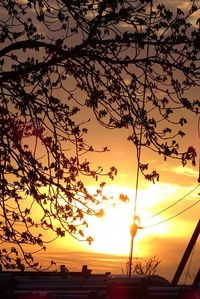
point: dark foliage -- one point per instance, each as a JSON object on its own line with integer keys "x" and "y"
{"x": 132, "y": 62}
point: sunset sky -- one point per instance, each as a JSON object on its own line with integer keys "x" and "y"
{"x": 166, "y": 241}
{"x": 164, "y": 208}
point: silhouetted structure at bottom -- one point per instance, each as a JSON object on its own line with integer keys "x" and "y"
{"x": 85, "y": 285}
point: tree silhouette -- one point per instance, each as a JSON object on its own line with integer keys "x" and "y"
{"x": 144, "y": 267}
{"x": 132, "y": 62}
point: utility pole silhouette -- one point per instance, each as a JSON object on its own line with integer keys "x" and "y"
{"x": 186, "y": 255}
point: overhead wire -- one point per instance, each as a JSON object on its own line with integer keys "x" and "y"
{"x": 179, "y": 200}
{"x": 174, "y": 216}
{"x": 170, "y": 206}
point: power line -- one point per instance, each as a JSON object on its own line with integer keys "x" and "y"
{"x": 179, "y": 200}
{"x": 186, "y": 209}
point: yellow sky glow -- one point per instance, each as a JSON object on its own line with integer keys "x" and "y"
{"x": 112, "y": 232}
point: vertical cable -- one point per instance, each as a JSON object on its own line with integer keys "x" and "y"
{"x": 139, "y": 147}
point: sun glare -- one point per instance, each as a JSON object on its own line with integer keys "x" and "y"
{"x": 112, "y": 232}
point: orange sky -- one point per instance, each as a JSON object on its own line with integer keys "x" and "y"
{"x": 166, "y": 241}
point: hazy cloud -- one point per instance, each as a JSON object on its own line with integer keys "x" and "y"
{"x": 187, "y": 171}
